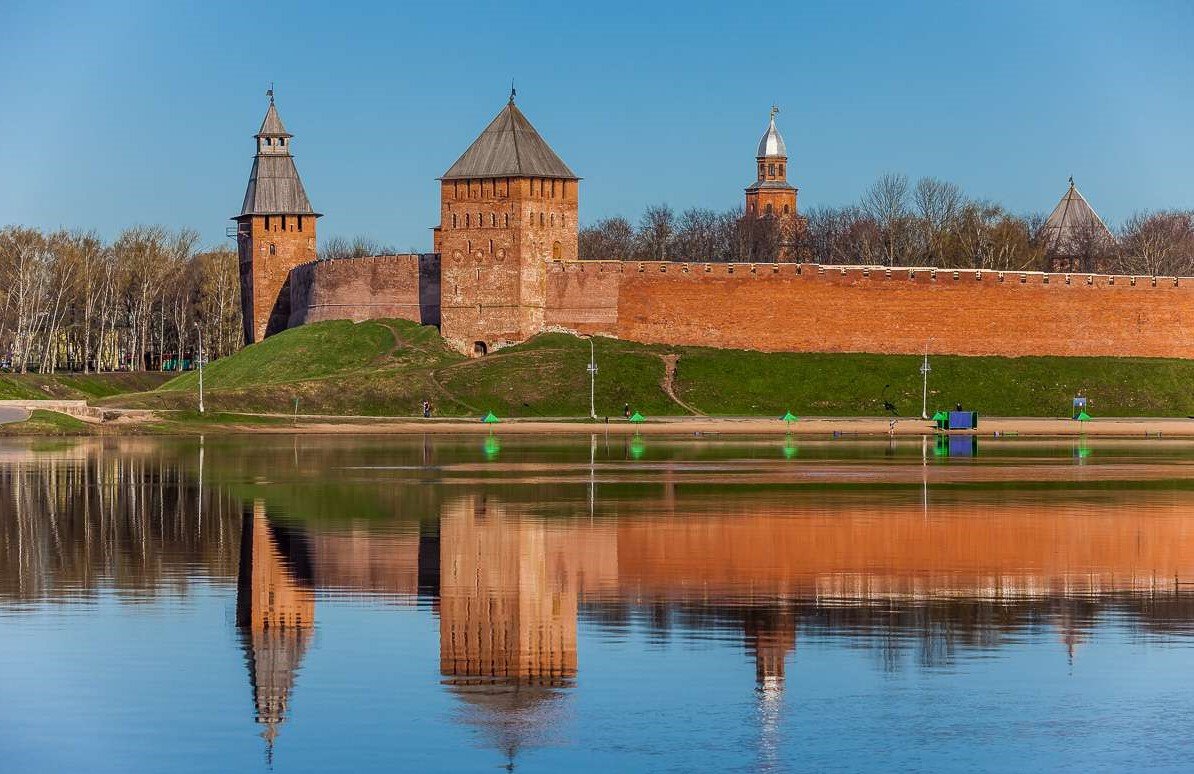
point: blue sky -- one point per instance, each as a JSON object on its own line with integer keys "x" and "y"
{"x": 142, "y": 112}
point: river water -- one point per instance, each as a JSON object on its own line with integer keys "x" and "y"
{"x": 590, "y": 603}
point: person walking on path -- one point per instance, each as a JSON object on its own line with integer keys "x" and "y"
{"x": 426, "y": 409}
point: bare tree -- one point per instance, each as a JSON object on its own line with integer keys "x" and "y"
{"x": 358, "y": 247}
{"x": 1158, "y": 243}
{"x": 936, "y": 204}
{"x": 886, "y": 202}
{"x": 609, "y": 239}
{"x": 656, "y": 231}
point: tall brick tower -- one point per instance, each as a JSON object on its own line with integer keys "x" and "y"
{"x": 508, "y": 206}
{"x": 771, "y": 195}
{"x": 275, "y": 231}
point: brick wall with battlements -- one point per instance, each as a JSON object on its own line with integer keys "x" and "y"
{"x": 812, "y": 308}
{"x": 404, "y": 287}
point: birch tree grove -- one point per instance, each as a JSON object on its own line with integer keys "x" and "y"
{"x": 70, "y": 302}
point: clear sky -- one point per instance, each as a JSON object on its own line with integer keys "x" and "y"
{"x": 118, "y": 113}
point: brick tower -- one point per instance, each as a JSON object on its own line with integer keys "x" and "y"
{"x": 771, "y": 195}
{"x": 507, "y": 207}
{"x": 275, "y": 231}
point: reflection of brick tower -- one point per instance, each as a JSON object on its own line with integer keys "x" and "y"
{"x": 275, "y": 231}
{"x": 507, "y": 610}
{"x": 770, "y": 636}
{"x": 771, "y": 196}
{"x": 507, "y": 207}
{"x": 275, "y": 610}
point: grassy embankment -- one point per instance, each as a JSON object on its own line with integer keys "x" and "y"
{"x": 76, "y": 386}
{"x": 388, "y": 367}
{"x": 48, "y": 423}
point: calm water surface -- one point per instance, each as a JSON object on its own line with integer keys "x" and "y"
{"x": 611, "y": 604}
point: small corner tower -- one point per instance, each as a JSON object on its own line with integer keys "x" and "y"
{"x": 771, "y": 195}
{"x": 275, "y": 231}
{"x": 508, "y": 206}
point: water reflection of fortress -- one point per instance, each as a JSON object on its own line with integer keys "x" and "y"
{"x": 509, "y": 589}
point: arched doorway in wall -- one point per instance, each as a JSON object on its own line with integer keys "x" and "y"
{"x": 480, "y": 349}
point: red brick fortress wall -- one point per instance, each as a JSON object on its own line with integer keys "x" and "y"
{"x": 811, "y": 308}
{"x": 404, "y": 287}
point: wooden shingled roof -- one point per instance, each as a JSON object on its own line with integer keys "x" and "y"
{"x": 275, "y": 188}
{"x": 509, "y": 147}
{"x": 1073, "y": 225}
{"x": 274, "y": 184}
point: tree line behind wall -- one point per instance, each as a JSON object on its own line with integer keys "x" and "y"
{"x": 898, "y": 223}
{"x": 68, "y": 301}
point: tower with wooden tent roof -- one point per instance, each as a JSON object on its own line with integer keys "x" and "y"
{"x": 275, "y": 230}
{"x": 508, "y": 206}
{"x": 1076, "y": 239}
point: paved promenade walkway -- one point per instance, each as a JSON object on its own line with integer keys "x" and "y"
{"x": 9, "y": 414}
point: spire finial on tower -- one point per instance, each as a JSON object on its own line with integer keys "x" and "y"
{"x": 270, "y": 92}
{"x": 513, "y": 93}
{"x": 774, "y": 111}
{"x": 1071, "y": 181}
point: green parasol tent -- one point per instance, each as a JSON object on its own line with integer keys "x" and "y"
{"x": 490, "y": 419}
{"x": 789, "y": 417}
{"x": 637, "y": 417}
{"x": 1083, "y": 417}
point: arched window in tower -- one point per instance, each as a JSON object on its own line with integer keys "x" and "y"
{"x": 493, "y": 219}
{"x": 300, "y": 222}
{"x": 541, "y": 219}
{"x": 768, "y": 209}
{"x": 507, "y": 220}
{"x": 781, "y": 170}
{"x": 282, "y": 141}
{"x": 453, "y": 220}
{"x": 553, "y": 219}
{"x": 268, "y": 141}
{"x": 557, "y": 251}
{"x": 466, "y": 220}
{"x": 771, "y": 169}
{"x": 786, "y": 210}
{"x": 273, "y": 249}
{"x": 762, "y": 170}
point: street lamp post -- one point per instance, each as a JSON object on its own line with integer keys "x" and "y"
{"x": 592, "y": 368}
{"x": 924, "y": 395}
{"x": 200, "y": 332}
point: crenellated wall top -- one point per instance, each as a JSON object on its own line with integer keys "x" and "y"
{"x": 852, "y": 273}
{"x": 333, "y": 263}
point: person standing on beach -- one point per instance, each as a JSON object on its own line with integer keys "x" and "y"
{"x": 626, "y": 411}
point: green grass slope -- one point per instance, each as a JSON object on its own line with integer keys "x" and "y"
{"x": 48, "y": 423}
{"x": 388, "y": 367}
{"x": 76, "y": 386}
{"x": 856, "y": 384}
